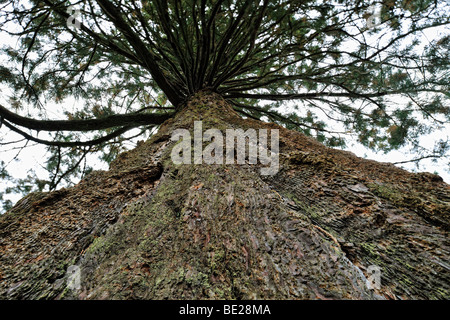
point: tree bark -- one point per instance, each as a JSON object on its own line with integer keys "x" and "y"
{"x": 151, "y": 229}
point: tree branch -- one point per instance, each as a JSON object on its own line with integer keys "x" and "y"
{"x": 94, "y": 142}
{"x": 117, "y": 120}
{"x": 141, "y": 50}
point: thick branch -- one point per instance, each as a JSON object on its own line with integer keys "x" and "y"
{"x": 118, "y": 120}
{"x": 94, "y": 142}
{"x": 141, "y": 50}
{"x": 279, "y": 97}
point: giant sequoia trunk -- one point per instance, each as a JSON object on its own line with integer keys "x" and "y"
{"x": 151, "y": 229}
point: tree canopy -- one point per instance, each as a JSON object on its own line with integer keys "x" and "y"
{"x": 333, "y": 69}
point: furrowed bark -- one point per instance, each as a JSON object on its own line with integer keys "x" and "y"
{"x": 151, "y": 229}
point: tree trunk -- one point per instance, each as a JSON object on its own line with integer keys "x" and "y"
{"x": 327, "y": 225}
